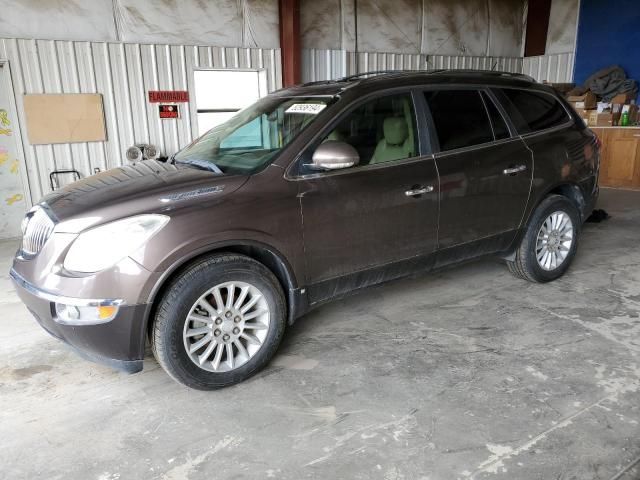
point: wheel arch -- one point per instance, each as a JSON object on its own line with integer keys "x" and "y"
{"x": 573, "y": 192}
{"x": 566, "y": 189}
{"x": 260, "y": 252}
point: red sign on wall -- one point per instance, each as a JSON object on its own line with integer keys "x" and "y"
{"x": 173, "y": 96}
{"x": 169, "y": 111}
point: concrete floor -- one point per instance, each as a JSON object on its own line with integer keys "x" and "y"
{"x": 467, "y": 373}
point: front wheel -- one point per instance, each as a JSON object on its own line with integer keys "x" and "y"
{"x": 550, "y": 242}
{"x": 219, "y": 322}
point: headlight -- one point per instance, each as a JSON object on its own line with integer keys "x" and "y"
{"x": 106, "y": 245}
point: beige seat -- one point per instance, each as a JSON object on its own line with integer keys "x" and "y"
{"x": 336, "y": 135}
{"x": 396, "y": 144}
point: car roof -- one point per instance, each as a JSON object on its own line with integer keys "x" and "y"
{"x": 391, "y": 78}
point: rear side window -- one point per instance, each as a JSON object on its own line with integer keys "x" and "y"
{"x": 500, "y": 129}
{"x": 460, "y": 118}
{"x": 533, "y": 111}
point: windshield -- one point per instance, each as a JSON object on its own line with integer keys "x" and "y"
{"x": 254, "y": 136}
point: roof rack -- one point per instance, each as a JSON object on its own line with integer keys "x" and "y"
{"x": 487, "y": 72}
{"x": 360, "y": 75}
{"x": 376, "y": 72}
{"x": 319, "y": 82}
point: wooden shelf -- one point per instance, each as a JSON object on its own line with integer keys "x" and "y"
{"x": 620, "y": 156}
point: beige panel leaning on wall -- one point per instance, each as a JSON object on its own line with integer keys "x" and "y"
{"x": 64, "y": 118}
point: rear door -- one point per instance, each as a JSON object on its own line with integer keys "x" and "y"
{"x": 561, "y": 150}
{"x": 377, "y": 213}
{"x": 485, "y": 170}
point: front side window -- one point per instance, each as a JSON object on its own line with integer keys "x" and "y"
{"x": 533, "y": 111}
{"x": 381, "y": 130}
{"x": 254, "y": 136}
{"x": 460, "y": 118}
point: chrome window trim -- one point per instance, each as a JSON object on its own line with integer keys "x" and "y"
{"x": 547, "y": 130}
{"x": 52, "y": 297}
{"x": 363, "y": 168}
{"x": 479, "y": 146}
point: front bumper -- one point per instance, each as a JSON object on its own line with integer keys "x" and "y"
{"x": 118, "y": 343}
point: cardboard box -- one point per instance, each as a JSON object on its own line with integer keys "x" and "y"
{"x": 602, "y": 119}
{"x": 584, "y": 114}
{"x": 588, "y": 101}
{"x": 623, "y": 98}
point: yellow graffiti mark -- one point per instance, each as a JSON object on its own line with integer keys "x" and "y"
{"x": 14, "y": 167}
{"x": 13, "y": 199}
{"x": 4, "y": 158}
{"x": 4, "y": 118}
{"x": 5, "y": 131}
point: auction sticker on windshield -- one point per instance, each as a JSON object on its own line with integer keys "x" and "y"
{"x": 308, "y": 108}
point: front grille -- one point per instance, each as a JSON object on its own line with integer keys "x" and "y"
{"x": 39, "y": 227}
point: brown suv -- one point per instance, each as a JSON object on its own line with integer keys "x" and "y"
{"x": 313, "y": 192}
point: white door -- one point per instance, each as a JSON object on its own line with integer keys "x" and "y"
{"x": 222, "y": 93}
{"x": 13, "y": 203}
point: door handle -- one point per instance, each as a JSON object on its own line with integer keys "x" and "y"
{"x": 415, "y": 191}
{"x": 514, "y": 170}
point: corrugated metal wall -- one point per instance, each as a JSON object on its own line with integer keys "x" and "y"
{"x": 556, "y": 68}
{"x": 323, "y": 64}
{"x": 122, "y": 73}
{"x": 503, "y": 64}
{"x": 320, "y": 64}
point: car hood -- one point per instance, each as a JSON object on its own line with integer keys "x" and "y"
{"x": 145, "y": 187}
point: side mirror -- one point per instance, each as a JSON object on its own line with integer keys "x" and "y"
{"x": 333, "y": 155}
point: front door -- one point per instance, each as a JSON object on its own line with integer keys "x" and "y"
{"x": 12, "y": 199}
{"x": 485, "y": 171}
{"x": 376, "y": 213}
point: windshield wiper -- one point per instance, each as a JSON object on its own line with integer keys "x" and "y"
{"x": 202, "y": 164}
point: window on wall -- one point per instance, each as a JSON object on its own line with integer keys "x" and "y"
{"x": 222, "y": 93}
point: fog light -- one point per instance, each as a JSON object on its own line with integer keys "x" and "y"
{"x": 85, "y": 315}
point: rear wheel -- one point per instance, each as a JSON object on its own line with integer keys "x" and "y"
{"x": 219, "y": 322}
{"x": 550, "y": 242}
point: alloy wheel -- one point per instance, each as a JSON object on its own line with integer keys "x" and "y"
{"x": 554, "y": 240}
{"x": 226, "y": 326}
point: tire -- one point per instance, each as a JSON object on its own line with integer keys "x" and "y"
{"x": 526, "y": 264}
{"x": 192, "y": 313}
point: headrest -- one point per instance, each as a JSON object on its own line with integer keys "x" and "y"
{"x": 395, "y": 130}
{"x": 336, "y": 135}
